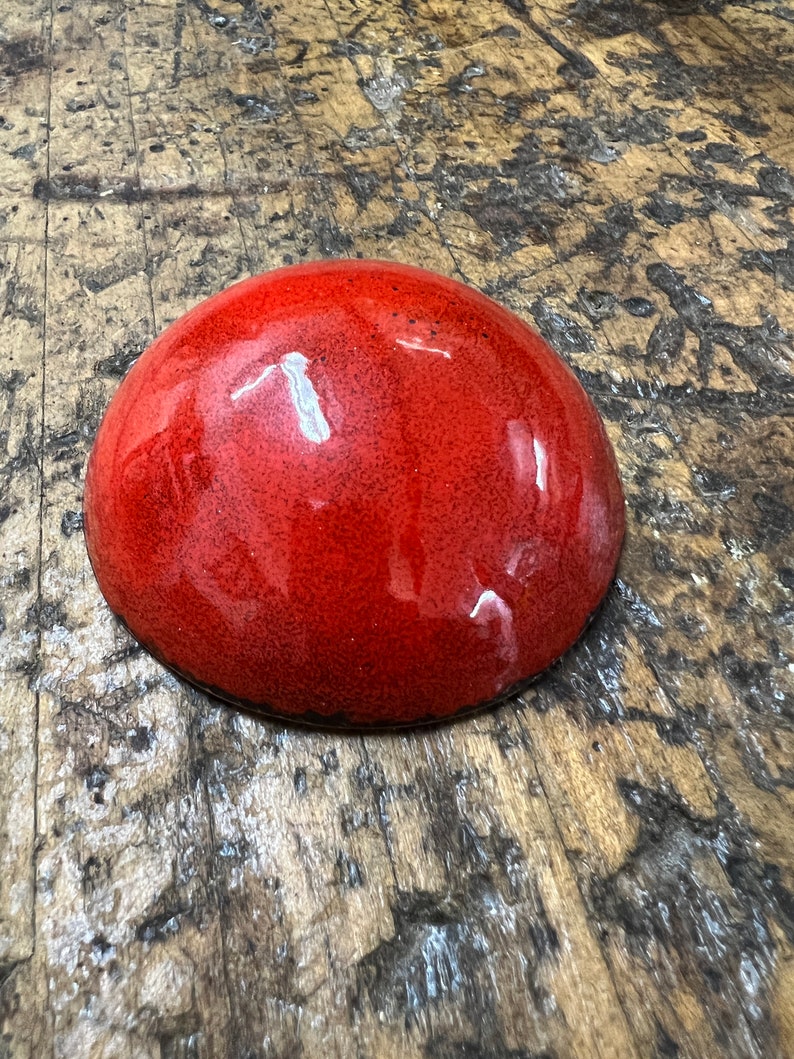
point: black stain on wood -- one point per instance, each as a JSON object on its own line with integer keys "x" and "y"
{"x": 329, "y": 761}
{"x": 486, "y": 1047}
{"x": 597, "y": 305}
{"x": 664, "y": 211}
{"x": 172, "y": 910}
{"x": 778, "y": 263}
{"x": 755, "y": 682}
{"x": 299, "y": 781}
{"x": 613, "y": 18}
{"x": 576, "y": 64}
{"x": 187, "y": 1043}
{"x": 666, "y": 1047}
{"x": 755, "y": 349}
{"x": 362, "y": 183}
{"x": 47, "y": 615}
{"x": 563, "y": 333}
{"x": 641, "y": 307}
{"x": 71, "y": 522}
{"x": 693, "y": 886}
{"x": 527, "y": 207}
{"x": 120, "y": 361}
{"x": 95, "y": 873}
{"x": 349, "y": 872}
{"x": 666, "y": 341}
{"x": 607, "y": 237}
{"x": 437, "y": 955}
{"x": 432, "y": 957}
{"x": 22, "y": 55}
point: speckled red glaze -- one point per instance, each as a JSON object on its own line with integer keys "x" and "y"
{"x": 353, "y": 492}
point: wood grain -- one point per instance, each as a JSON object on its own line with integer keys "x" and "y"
{"x": 602, "y": 867}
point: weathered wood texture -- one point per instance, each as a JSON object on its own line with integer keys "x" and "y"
{"x": 604, "y": 867}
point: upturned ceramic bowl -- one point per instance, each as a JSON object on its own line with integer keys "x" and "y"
{"x": 353, "y": 492}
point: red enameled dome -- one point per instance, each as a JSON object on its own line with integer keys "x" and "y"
{"x": 353, "y": 492}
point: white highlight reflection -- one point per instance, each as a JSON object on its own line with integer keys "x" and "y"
{"x": 529, "y": 454}
{"x": 490, "y": 598}
{"x": 541, "y": 465}
{"x": 311, "y": 420}
{"x": 421, "y": 348}
{"x": 489, "y": 607}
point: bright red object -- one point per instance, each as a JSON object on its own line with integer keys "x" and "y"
{"x": 353, "y": 492}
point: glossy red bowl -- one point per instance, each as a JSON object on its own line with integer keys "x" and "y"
{"x": 353, "y": 492}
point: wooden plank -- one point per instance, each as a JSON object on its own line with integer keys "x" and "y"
{"x": 20, "y": 377}
{"x": 600, "y": 868}
{"x": 24, "y": 68}
{"x": 120, "y": 867}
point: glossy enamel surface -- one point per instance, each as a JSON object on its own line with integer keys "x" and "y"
{"x": 353, "y": 492}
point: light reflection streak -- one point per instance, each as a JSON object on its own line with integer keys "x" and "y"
{"x": 421, "y": 348}
{"x": 312, "y": 422}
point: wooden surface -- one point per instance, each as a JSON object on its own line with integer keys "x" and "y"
{"x": 604, "y": 867}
